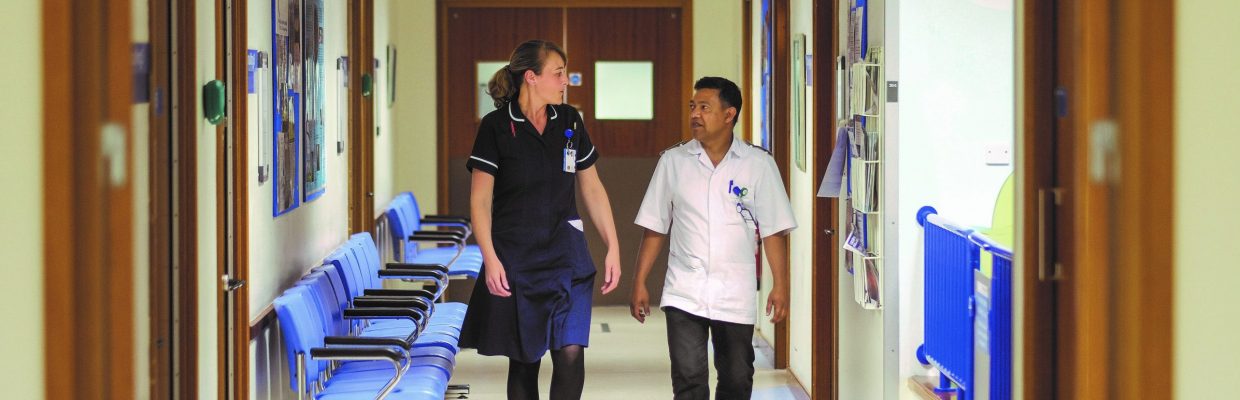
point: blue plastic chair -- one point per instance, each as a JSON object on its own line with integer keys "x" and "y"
{"x": 406, "y": 223}
{"x": 391, "y": 373}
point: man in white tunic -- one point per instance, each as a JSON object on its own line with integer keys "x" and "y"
{"x": 713, "y": 195}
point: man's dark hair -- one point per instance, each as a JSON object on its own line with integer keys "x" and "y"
{"x": 729, "y": 94}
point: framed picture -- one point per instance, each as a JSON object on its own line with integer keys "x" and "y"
{"x": 314, "y": 161}
{"x": 391, "y": 75}
{"x": 286, "y": 37}
{"x": 798, "y": 101}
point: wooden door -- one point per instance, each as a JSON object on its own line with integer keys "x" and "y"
{"x": 629, "y": 149}
{"x": 88, "y": 200}
{"x": 826, "y": 251}
{"x": 462, "y": 46}
{"x": 1098, "y": 199}
{"x": 632, "y": 34}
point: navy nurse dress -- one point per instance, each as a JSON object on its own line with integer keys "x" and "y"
{"x": 537, "y": 235}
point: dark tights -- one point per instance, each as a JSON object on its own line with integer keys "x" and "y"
{"x": 567, "y": 377}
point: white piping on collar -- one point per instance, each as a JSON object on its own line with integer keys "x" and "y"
{"x": 554, "y": 113}
{"x": 514, "y": 117}
{"x": 738, "y": 147}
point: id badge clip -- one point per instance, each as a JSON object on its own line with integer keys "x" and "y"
{"x": 570, "y": 153}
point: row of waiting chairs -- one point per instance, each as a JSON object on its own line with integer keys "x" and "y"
{"x": 406, "y": 224}
{"x": 348, "y": 338}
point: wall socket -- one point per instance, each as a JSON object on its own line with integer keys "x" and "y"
{"x": 998, "y": 154}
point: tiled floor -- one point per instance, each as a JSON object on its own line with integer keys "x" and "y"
{"x": 626, "y": 360}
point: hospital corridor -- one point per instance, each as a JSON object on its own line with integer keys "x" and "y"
{"x": 620, "y": 199}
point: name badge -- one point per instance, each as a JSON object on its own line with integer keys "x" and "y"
{"x": 570, "y": 160}
{"x": 570, "y": 153}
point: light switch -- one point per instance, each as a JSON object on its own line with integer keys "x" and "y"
{"x": 998, "y": 154}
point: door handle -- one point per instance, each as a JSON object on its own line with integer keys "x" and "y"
{"x": 231, "y": 284}
{"x": 1049, "y": 268}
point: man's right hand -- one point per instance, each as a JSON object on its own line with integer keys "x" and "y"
{"x": 497, "y": 280}
{"x": 639, "y": 303}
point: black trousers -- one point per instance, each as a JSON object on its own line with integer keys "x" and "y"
{"x": 686, "y": 340}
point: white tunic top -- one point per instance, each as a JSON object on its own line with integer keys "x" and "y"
{"x": 711, "y": 268}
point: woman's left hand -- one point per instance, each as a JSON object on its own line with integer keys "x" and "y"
{"x": 611, "y": 277}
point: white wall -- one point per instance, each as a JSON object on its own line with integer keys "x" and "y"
{"x": 1207, "y": 92}
{"x": 283, "y": 248}
{"x": 863, "y": 333}
{"x": 415, "y": 133}
{"x": 21, "y": 166}
{"x": 956, "y": 74}
{"x": 954, "y": 64}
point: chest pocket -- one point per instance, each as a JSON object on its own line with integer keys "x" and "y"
{"x": 739, "y": 208}
{"x": 520, "y": 160}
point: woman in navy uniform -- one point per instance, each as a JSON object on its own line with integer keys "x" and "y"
{"x": 529, "y": 157}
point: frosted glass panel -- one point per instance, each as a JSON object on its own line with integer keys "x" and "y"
{"x": 486, "y": 69}
{"x": 624, "y": 90}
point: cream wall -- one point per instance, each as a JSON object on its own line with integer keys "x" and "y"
{"x": 801, "y": 191}
{"x": 284, "y": 248}
{"x": 1207, "y": 92}
{"x": 205, "y": 221}
{"x": 140, "y": 123}
{"x": 802, "y": 188}
{"x": 717, "y": 39}
{"x": 414, "y": 115}
{"x": 384, "y": 145}
{"x": 21, "y": 166}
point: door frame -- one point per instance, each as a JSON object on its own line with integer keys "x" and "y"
{"x": 185, "y": 189}
{"x": 361, "y": 21}
{"x": 161, "y": 253}
{"x": 781, "y": 137}
{"x": 441, "y": 9}
{"x": 88, "y": 327}
{"x": 232, "y": 197}
{"x": 1037, "y": 114}
{"x": 1145, "y": 229}
{"x": 826, "y": 249}
{"x": 1121, "y": 345}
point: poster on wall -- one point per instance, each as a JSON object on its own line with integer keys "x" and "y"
{"x": 286, "y": 73}
{"x": 314, "y": 161}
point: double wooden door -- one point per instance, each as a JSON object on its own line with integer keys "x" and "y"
{"x": 474, "y": 42}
